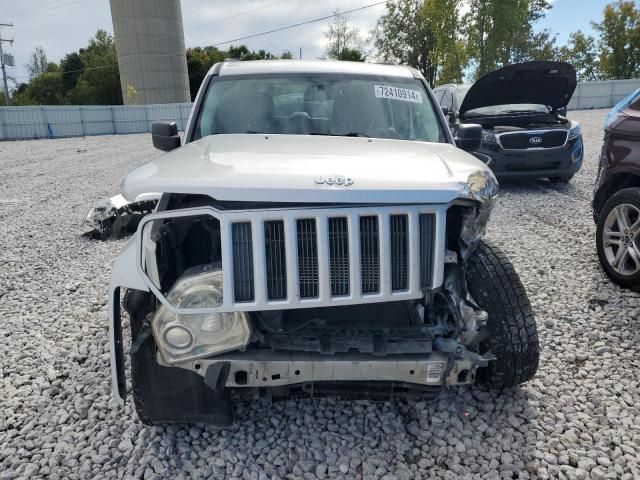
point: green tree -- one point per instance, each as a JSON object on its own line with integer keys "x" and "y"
{"x": 201, "y": 59}
{"x": 619, "y": 41}
{"x": 198, "y": 64}
{"x": 343, "y": 39}
{"x": 38, "y": 63}
{"x": 501, "y": 33}
{"x": 287, "y": 55}
{"x": 241, "y": 52}
{"x": 18, "y": 96}
{"x": 45, "y": 89}
{"x": 351, "y": 55}
{"x": 405, "y": 35}
{"x": 425, "y": 34}
{"x": 71, "y": 67}
{"x": 99, "y": 82}
{"x": 582, "y": 53}
{"x": 449, "y": 56}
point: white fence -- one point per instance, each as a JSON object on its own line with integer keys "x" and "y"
{"x": 602, "y": 94}
{"x": 77, "y": 121}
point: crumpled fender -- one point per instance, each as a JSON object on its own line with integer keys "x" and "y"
{"x": 123, "y": 275}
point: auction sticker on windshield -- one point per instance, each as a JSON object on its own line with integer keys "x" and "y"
{"x": 397, "y": 93}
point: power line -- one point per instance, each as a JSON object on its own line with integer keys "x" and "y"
{"x": 246, "y": 12}
{"x": 50, "y": 8}
{"x": 64, "y": 9}
{"x": 306, "y": 22}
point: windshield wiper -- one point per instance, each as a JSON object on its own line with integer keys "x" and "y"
{"x": 355, "y": 134}
{"x": 349, "y": 134}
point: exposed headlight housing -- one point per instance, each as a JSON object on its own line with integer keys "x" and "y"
{"x": 473, "y": 228}
{"x": 187, "y": 337}
{"x": 482, "y": 186}
{"x": 575, "y": 131}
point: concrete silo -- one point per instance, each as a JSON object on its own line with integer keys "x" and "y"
{"x": 151, "y": 52}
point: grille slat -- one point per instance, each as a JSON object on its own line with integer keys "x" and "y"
{"x": 307, "y": 258}
{"x": 275, "y": 260}
{"x": 369, "y": 255}
{"x": 427, "y": 244}
{"x": 339, "y": 256}
{"x": 243, "y": 287}
{"x": 399, "y": 252}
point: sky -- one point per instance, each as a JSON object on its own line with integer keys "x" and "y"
{"x": 63, "y": 26}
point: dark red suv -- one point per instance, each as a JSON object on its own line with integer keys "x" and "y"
{"x": 616, "y": 201}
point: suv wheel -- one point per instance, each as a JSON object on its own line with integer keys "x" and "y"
{"x": 513, "y": 335}
{"x": 618, "y": 238}
{"x": 162, "y": 394}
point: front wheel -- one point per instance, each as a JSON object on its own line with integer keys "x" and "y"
{"x": 618, "y": 238}
{"x": 164, "y": 395}
{"x": 513, "y": 336}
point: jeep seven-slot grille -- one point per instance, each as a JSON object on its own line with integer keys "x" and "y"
{"x": 525, "y": 140}
{"x": 339, "y": 267}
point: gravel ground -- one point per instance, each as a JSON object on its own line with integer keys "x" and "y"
{"x": 579, "y": 418}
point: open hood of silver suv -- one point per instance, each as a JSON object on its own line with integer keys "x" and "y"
{"x": 541, "y": 83}
{"x": 300, "y": 168}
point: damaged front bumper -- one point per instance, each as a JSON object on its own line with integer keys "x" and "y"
{"x": 449, "y": 363}
{"x": 116, "y": 216}
{"x": 260, "y": 368}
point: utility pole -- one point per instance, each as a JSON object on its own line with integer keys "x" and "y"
{"x": 4, "y": 68}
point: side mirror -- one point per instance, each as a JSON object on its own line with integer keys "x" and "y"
{"x": 445, "y": 110}
{"x": 165, "y": 135}
{"x": 468, "y": 136}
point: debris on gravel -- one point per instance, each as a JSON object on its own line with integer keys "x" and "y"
{"x": 578, "y": 419}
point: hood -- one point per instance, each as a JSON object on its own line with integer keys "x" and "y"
{"x": 299, "y": 168}
{"x": 542, "y": 83}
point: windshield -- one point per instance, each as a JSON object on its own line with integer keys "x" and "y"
{"x": 327, "y": 104}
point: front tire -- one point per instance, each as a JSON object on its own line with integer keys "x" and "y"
{"x": 165, "y": 395}
{"x": 513, "y": 336}
{"x": 618, "y": 238}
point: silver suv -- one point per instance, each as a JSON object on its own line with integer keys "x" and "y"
{"x": 319, "y": 232}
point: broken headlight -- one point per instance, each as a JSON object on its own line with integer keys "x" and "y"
{"x": 473, "y": 228}
{"x": 191, "y": 336}
{"x": 482, "y": 186}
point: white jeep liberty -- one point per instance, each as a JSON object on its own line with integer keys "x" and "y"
{"x": 318, "y": 233}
